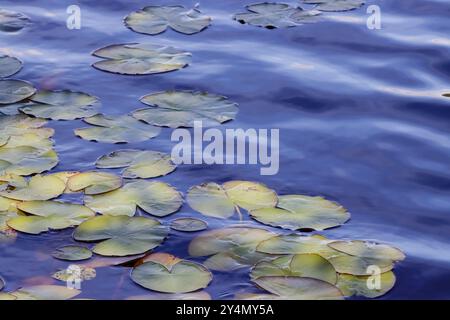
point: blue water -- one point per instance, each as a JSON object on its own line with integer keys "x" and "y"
{"x": 361, "y": 116}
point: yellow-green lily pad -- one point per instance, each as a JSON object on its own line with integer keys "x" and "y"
{"x": 366, "y": 249}
{"x": 12, "y": 91}
{"x": 26, "y": 160}
{"x": 38, "y": 187}
{"x": 84, "y": 274}
{"x": 72, "y": 253}
{"x": 43, "y": 292}
{"x": 335, "y": 5}
{"x": 188, "y": 224}
{"x": 359, "y": 266}
{"x": 9, "y": 66}
{"x": 366, "y": 286}
{"x": 93, "y": 182}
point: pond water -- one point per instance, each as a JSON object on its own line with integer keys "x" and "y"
{"x": 361, "y": 116}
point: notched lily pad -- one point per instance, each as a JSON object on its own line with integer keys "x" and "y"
{"x": 116, "y": 129}
{"x": 138, "y": 163}
{"x": 93, "y": 182}
{"x": 26, "y": 160}
{"x": 276, "y": 15}
{"x": 154, "y": 197}
{"x": 296, "y": 212}
{"x": 121, "y": 236}
{"x": 72, "y": 253}
{"x": 156, "y": 19}
{"x": 335, "y": 5}
{"x": 222, "y": 201}
{"x": 181, "y": 108}
{"x": 38, "y": 187}
{"x": 12, "y": 91}
{"x": 366, "y": 286}
{"x": 139, "y": 59}
{"x": 9, "y": 66}
{"x": 188, "y": 224}
{"x": 11, "y": 21}
{"x": 366, "y": 249}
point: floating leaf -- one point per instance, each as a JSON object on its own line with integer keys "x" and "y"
{"x": 81, "y": 272}
{"x": 358, "y": 266}
{"x": 116, "y": 129}
{"x": 9, "y": 66}
{"x": 26, "y": 160}
{"x": 359, "y": 285}
{"x": 276, "y": 15}
{"x": 299, "y": 288}
{"x": 154, "y": 197}
{"x": 138, "y": 164}
{"x": 121, "y": 235}
{"x": 93, "y": 182}
{"x": 72, "y": 253}
{"x": 156, "y": 19}
{"x": 36, "y": 188}
{"x": 62, "y": 105}
{"x": 172, "y": 275}
{"x": 136, "y": 59}
{"x": 11, "y": 21}
{"x": 188, "y": 224}
{"x": 198, "y": 295}
{"x": 365, "y": 249}
{"x": 43, "y": 292}
{"x": 181, "y": 108}
{"x": 14, "y": 127}
{"x": 221, "y": 201}
{"x": 49, "y": 215}
{"x": 12, "y": 91}
{"x": 336, "y": 5}
{"x": 302, "y": 212}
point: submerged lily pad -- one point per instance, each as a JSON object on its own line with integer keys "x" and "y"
{"x": 9, "y": 66}
{"x": 42, "y": 292}
{"x": 222, "y": 201}
{"x": 121, "y": 235}
{"x": 93, "y": 182}
{"x": 276, "y": 15}
{"x": 49, "y": 215}
{"x": 12, "y": 91}
{"x": 11, "y": 21}
{"x": 138, "y": 164}
{"x": 181, "y": 108}
{"x": 365, "y": 249}
{"x": 171, "y": 275}
{"x": 359, "y": 285}
{"x": 336, "y": 5}
{"x": 62, "y": 105}
{"x": 72, "y": 253}
{"x": 156, "y": 19}
{"x": 188, "y": 224}
{"x": 302, "y": 212}
{"x": 138, "y": 59}
{"x": 154, "y": 197}
{"x": 37, "y": 187}
{"x": 116, "y": 129}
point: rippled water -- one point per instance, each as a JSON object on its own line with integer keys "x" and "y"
{"x": 361, "y": 115}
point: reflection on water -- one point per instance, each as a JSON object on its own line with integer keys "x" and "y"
{"x": 361, "y": 115}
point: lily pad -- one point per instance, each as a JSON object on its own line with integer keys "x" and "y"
{"x": 14, "y": 127}
{"x": 139, "y": 59}
{"x": 49, "y": 215}
{"x": 9, "y": 66}
{"x": 299, "y": 288}
{"x": 222, "y": 201}
{"x": 26, "y": 160}
{"x": 72, "y": 253}
{"x": 276, "y": 15}
{"x": 358, "y": 266}
{"x": 62, "y": 105}
{"x": 198, "y": 295}
{"x": 138, "y": 164}
{"x": 181, "y": 108}
{"x": 358, "y": 285}
{"x": 336, "y": 5}
{"x": 11, "y": 21}
{"x": 37, "y": 187}
{"x": 295, "y": 212}
{"x": 188, "y": 224}
{"x": 116, "y": 129}
{"x": 365, "y": 249}
{"x": 154, "y": 197}
{"x": 173, "y": 276}
{"x": 156, "y": 19}
{"x": 93, "y": 182}
{"x": 83, "y": 273}
{"x": 43, "y": 292}
{"x": 12, "y": 91}
{"x": 121, "y": 235}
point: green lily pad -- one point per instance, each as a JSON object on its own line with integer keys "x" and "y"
{"x": 93, "y": 182}
{"x": 121, "y": 235}
{"x": 173, "y": 276}
{"x": 335, "y": 5}
{"x": 296, "y": 212}
{"x": 156, "y": 19}
{"x": 62, "y": 105}
{"x": 42, "y": 292}
{"x": 181, "y": 108}
{"x": 365, "y": 249}
{"x": 16, "y": 126}
{"x": 49, "y": 215}
{"x": 85, "y": 274}
{"x": 358, "y": 266}
{"x": 116, "y": 129}
{"x": 137, "y": 163}
{"x": 9, "y": 66}
{"x": 221, "y": 201}
{"x": 138, "y": 59}
{"x": 12, "y": 91}
{"x": 154, "y": 197}
{"x": 37, "y": 187}
{"x": 188, "y": 224}
{"x": 72, "y": 253}
{"x": 276, "y": 15}
{"x": 11, "y": 21}
{"x": 299, "y": 288}
{"x": 358, "y": 285}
